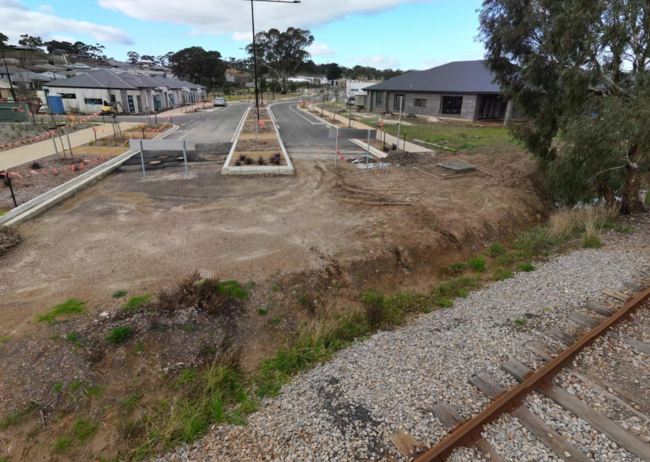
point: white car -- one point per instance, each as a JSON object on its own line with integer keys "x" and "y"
{"x": 220, "y": 102}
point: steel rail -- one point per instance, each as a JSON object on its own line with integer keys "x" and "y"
{"x": 470, "y": 432}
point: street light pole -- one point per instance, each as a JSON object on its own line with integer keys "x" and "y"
{"x": 11, "y": 85}
{"x": 257, "y": 101}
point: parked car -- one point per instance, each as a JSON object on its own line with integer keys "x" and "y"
{"x": 220, "y": 102}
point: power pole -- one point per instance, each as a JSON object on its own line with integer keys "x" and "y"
{"x": 11, "y": 85}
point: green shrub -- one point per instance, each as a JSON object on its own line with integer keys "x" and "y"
{"x": 478, "y": 264}
{"x": 120, "y": 334}
{"x": 262, "y": 311}
{"x": 526, "y": 267}
{"x": 303, "y": 300}
{"x": 72, "y": 306}
{"x": 62, "y": 444}
{"x": 496, "y": 250}
{"x": 232, "y": 289}
{"x": 120, "y": 294}
{"x": 135, "y": 303}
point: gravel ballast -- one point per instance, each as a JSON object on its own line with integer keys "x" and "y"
{"x": 347, "y": 409}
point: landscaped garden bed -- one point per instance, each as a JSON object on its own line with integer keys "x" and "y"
{"x": 258, "y": 151}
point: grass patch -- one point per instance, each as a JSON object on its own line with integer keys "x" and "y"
{"x": 139, "y": 347}
{"x": 277, "y": 319}
{"x": 72, "y": 306}
{"x": 275, "y": 288}
{"x": 84, "y": 429}
{"x": 58, "y": 386}
{"x": 131, "y": 401}
{"x": 625, "y": 230}
{"x": 74, "y": 386}
{"x": 95, "y": 391}
{"x": 520, "y": 322}
{"x": 455, "y": 269}
{"x": 10, "y": 420}
{"x": 232, "y": 289}
{"x": 120, "y": 294}
{"x": 189, "y": 328}
{"x": 501, "y": 274}
{"x": 591, "y": 238}
{"x": 262, "y": 311}
{"x": 120, "y": 334}
{"x": 478, "y": 264}
{"x": 63, "y": 444}
{"x": 135, "y": 303}
{"x": 527, "y": 267}
{"x": 5, "y": 339}
{"x": 303, "y": 301}
{"x": 496, "y": 250}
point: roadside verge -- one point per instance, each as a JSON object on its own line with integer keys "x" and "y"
{"x": 49, "y": 199}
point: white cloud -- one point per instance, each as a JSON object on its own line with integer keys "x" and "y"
{"x": 243, "y": 36}
{"x": 433, "y": 62}
{"x": 378, "y": 61}
{"x": 225, "y": 17}
{"x": 47, "y": 9}
{"x": 64, "y": 38}
{"x": 319, "y": 49}
{"x": 17, "y": 19}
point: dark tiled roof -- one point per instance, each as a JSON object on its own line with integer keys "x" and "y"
{"x": 95, "y": 79}
{"x": 456, "y": 77}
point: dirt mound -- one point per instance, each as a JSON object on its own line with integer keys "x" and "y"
{"x": 9, "y": 238}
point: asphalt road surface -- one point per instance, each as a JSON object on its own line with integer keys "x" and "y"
{"x": 303, "y": 129}
{"x": 210, "y": 130}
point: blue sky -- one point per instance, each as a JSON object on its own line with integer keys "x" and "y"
{"x": 406, "y": 34}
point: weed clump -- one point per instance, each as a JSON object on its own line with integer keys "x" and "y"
{"x": 135, "y": 303}
{"x": 71, "y": 306}
{"x": 120, "y": 334}
{"x": 84, "y": 429}
{"x": 455, "y": 269}
{"x": 478, "y": 264}
{"x": 496, "y": 250}
{"x": 501, "y": 274}
{"x": 120, "y": 294}
{"x": 526, "y": 267}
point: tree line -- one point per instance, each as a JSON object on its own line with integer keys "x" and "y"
{"x": 280, "y": 55}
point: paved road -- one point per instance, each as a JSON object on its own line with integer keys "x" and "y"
{"x": 211, "y": 131}
{"x": 303, "y": 129}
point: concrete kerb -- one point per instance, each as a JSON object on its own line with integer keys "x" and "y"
{"x": 261, "y": 169}
{"x": 49, "y": 199}
{"x": 374, "y": 152}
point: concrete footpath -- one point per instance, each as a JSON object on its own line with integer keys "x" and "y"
{"x": 17, "y": 156}
{"x": 410, "y": 147}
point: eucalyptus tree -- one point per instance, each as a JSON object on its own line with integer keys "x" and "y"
{"x": 579, "y": 70}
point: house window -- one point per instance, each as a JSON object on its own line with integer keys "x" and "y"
{"x": 93, "y": 101}
{"x": 379, "y": 97}
{"x": 396, "y": 102}
{"x": 451, "y": 104}
{"x": 420, "y": 102}
{"x": 68, "y": 95}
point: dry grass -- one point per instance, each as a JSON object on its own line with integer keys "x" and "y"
{"x": 9, "y": 237}
{"x": 572, "y": 221}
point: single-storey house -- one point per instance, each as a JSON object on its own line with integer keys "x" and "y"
{"x": 458, "y": 90}
{"x": 129, "y": 92}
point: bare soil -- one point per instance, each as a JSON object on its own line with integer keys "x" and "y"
{"x": 33, "y": 182}
{"x": 324, "y": 234}
{"x": 261, "y": 145}
{"x": 249, "y": 127}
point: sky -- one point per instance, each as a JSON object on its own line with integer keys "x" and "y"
{"x": 404, "y": 34}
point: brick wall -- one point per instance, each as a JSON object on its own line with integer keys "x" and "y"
{"x": 431, "y": 108}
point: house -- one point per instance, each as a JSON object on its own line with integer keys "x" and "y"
{"x": 237, "y": 76}
{"x": 458, "y": 90}
{"x": 23, "y": 77}
{"x": 131, "y": 93}
{"x": 5, "y": 90}
{"x": 356, "y": 87}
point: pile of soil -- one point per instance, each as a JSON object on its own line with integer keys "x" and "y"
{"x": 74, "y": 371}
{"x": 9, "y": 237}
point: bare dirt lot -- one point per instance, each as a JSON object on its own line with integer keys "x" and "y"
{"x": 297, "y": 243}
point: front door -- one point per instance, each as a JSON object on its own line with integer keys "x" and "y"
{"x": 396, "y": 102}
{"x": 491, "y": 107}
{"x": 131, "y": 106}
{"x": 139, "y": 101}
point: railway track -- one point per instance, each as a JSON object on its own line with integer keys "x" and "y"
{"x": 592, "y": 322}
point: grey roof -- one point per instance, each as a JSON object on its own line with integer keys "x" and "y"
{"x": 456, "y": 77}
{"x": 95, "y": 79}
